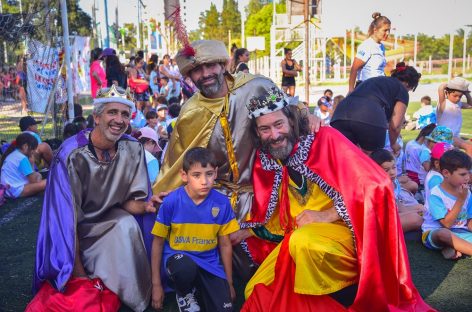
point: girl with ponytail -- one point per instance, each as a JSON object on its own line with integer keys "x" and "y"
{"x": 370, "y": 58}
{"x": 17, "y": 170}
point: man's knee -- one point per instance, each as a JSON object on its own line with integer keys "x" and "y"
{"x": 128, "y": 224}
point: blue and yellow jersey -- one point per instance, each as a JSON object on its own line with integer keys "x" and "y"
{"x": 194, "y": 229}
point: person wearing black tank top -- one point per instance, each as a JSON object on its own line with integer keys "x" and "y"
{"x": 290, "y": 69}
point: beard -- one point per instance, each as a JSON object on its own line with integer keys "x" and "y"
{"x": 283, "y": 152}
{"x": 214, "y": 88}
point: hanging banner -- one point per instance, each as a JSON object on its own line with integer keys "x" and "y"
{"x": 80, "y": 64}
{"x": 42, "y": 69}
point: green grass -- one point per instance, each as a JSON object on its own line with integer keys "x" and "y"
{"x": 443, "y": 284}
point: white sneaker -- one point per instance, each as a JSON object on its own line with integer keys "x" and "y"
{"x": 188, "y": 303}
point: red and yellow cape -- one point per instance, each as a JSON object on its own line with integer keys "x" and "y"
{"x": 365, "y": 191}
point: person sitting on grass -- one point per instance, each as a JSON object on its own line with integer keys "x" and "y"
{"x": 17, "y": 171}
{"x": 43, "y": 154}
{"x": 439, "y": 134}
{"x": 408, "y": 207}
{"x": 449, "y": 109}
{"x": 426, "y": 114}
{"x": 447, "y": 222}
{"x": 323, "y": 111}
{"x": 413, "y": 167}
{"x": 434, "y": 176}
{"x": 193, "y": 222}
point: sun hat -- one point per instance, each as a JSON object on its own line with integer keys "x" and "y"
{"x": 201, "y": 52}
{"x": 149, "y": 133}
{"x": 114, "y": 94}
{"x": 440, "y": 134}
{"x": 107, "y": 52}
{"x": 439, "y": 149}
{"x": 459, "y": 84}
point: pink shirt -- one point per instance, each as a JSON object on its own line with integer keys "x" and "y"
{"x": 97, "y": 67}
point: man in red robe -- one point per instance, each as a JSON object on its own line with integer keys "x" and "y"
{"x": 323, "y": 225}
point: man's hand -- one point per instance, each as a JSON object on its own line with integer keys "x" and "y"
{"x": 312, "y": 216}
{"x": 149, "y": 206}
{"x": 239, "y": 236}
{"x": 159, "y": 198}
{"x": 314, "y": 123}
{"x": 157, "y": 297}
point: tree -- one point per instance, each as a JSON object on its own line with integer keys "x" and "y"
{"x": 231, "y": 19}
{"x": 258, "y": 24}
{"x": 130, "y": 36}
{"x": 253, "y": 7}
{"x": 210, "y": 24}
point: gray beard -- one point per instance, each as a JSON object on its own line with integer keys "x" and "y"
{"x": 281, "y": 153}
{"x": 211, "y": 90}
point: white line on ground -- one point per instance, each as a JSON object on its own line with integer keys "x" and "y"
{"x": 16, "y": 211}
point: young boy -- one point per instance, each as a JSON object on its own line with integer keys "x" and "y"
{"x": 449, "y": 108}
{"x": 323, "y": 110}
{"x": 408, "y": 207}
{"x": 192, "y": 221}
{"x": 426, "y": 114}
{"x": 151, "y": 120}
{"x": 434, "y": 176}
{"x": 447, "y": 222}
{"x": 439, "y": 134}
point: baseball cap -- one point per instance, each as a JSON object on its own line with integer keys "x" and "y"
{"x": 440, "y": 134}
{"x": 439, "y": 149}
{"x": 161, "y": 106}
{"x": 459, "y": 84}
{"x": 324, "y": 100}
{"x": 27, "y": 121}
{"x": 107, "y": 52}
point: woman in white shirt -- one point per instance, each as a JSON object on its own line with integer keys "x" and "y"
{"x": 370, "y": 58}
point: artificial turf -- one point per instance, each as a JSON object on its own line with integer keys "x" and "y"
{"x": 444, "y": 284}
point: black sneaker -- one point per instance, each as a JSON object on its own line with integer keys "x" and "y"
{"x": 188, "y": 303}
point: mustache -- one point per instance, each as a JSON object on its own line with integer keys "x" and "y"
{"x": 214, "y": 76}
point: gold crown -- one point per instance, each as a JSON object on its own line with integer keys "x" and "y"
{"x": 114, "y": 92}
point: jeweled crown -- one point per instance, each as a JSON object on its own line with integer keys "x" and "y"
{"x": 114, "y": 92}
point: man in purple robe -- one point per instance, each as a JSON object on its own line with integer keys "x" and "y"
{"x": 98, "y": 181}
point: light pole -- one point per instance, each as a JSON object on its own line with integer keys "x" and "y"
{"x": 464, "y": 51}
{"x": 451, "y": 47}
{"x": 107, "y": 40}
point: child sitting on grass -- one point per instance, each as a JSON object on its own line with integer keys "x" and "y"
{"x": 447, "y": 222}
{"x": 434, "y": 176}
{"x": 439, "y": 134}
{"x": 408, "y": 207}
{"x": 17, "y": 172}
{"x": 413, "y": 167}
{"x": 193, "y": 221}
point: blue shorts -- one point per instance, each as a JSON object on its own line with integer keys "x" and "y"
{"x": 427, "y": 237}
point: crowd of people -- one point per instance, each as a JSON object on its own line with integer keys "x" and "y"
{"x": 200, "y": 173}
{"x": 13, "y": 84}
